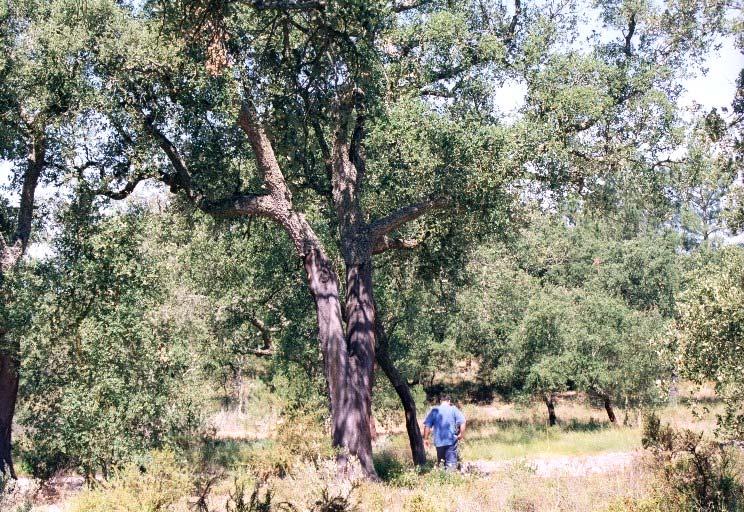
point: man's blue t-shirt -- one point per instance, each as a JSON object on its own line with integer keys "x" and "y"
{"x": 445, "y": 420}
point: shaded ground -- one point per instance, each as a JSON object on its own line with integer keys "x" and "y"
{"x": 47, "y": 498}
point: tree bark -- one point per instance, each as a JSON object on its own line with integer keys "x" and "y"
{"x": 360, "y": 313}
{"x": 550, "y": 403}
{"x": 609, "y": 409}
{"x": 415, "y": 440}
{"x": 8, "y": 396}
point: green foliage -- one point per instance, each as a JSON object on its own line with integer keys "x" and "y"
{"x": 106, "y": 373}
{"x": 572, "y": 307}
{"x": 126, "y": 306}
{"x": 710, "y": 333}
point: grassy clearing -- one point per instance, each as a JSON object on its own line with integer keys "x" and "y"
{"x": 519, "y": 441}
{"x": 516, "y": 489}
{"x": 507, "y": 432}
{"x": 293, "y": 465}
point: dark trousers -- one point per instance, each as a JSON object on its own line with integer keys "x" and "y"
{"x": 448, "y": 455}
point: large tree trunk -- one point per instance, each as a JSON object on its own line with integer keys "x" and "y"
{"x": 348, "y": 366}
{"x": 348, "y": 356}
{"x": 8, "y": 395}
{"x": 360, "y": 321}
{"x": 550, "y": 403}
{"x": 415, "y": 440}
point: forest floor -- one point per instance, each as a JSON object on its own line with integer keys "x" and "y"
{"x": 511, "y": 461}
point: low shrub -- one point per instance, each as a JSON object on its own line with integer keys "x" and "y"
{"x": 300, "y": 438}
{"x": 419, "y": 503}
{"x": 156, "y": 485}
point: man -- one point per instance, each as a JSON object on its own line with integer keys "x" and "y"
{"x": 448, "y": 425}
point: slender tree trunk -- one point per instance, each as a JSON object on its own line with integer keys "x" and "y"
{"x": 10, "y": 256}
{"x": 550, "y": 403}
{"x": 608, "y": 407}
{"x": 8, "y": 395}
{"x": 415, "y": 440}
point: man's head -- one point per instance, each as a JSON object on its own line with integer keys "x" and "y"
{"x": 445, "y": 398}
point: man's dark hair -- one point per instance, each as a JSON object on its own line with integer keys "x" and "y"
{"x": 445, "y": 397}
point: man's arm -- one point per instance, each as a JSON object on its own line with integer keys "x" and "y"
{"x": 461, "y": 432}
{"x": 461, "y": 423}
{"x": 425, "y": 435}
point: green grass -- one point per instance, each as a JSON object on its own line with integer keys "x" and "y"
{"x": 511, "y": 441}
{"x": 514, "y": 439}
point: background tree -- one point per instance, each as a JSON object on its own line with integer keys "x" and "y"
{"x": 41, "y": 90}
{"x": 355, "y": 126}
{"x": 571, "y": 304}
{"x": 710, "y": 340}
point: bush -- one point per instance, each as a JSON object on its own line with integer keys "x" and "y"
{"x": 157, "y": 485}
{"x": 693, "y": 473}
{"x": 300, "y": 438}
{"x": 238, "y": 502}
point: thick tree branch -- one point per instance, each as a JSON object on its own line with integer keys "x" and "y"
{"x": 12, "y": 252}
{"x": 34, "y": 166}
{"x": 512, "y": 30}
{"x": 404, "y": 215}
{"x": 407, "y": 5}
{"x": 241, "y": 205}
{"x": 260, "y": 352}
{"x": 263, "y": 329}
{"x": 325, "y": 149}
{"x": 265, "y": 158}
{"x": 385, "y": 243}
{"x": 182, "y": 180}
{"x": 356, "y": 149}
{"x": 347, "y": 176}
{"x": 287, "y": 5}
{"x": 124, "y": 192}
